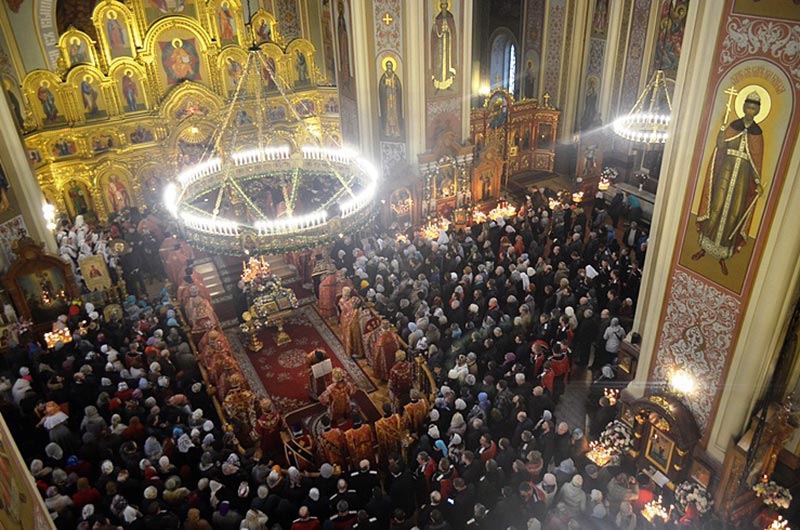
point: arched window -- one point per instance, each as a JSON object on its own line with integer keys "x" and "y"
{"x": 503, "y": 64}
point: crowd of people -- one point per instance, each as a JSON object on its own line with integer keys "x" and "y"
{"x": 120, "y": 431}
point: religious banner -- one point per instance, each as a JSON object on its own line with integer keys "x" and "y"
{"x": 95, "y": 273}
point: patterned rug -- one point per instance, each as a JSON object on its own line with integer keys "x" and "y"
{"x": 281, "y": 373}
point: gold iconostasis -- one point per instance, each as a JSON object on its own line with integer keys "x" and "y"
{"x": 124, "y": 112}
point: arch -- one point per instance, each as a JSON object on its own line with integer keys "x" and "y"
{"x": 297, "y": 51}
{"x": 73, "y": 198}
{"x": 173, "y": 106}
{"x": 87, "y": 84}
{"x": 116, "y": 183}
{"x": 178, "y": 49}
{"x": 45, "y": 95}
{"x": 231, "y": 64}
{"x": 77, "y": 48}
{"x": 264, "y": 27}
{"x": 503, "y": 59}
{"x": 118, "y": 34}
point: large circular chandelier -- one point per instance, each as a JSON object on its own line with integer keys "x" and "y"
{"x": 648, "y": 120}
{"x": 250, "y": 196}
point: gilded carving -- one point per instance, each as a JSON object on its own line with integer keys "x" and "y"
{"x": 155, "y": 81}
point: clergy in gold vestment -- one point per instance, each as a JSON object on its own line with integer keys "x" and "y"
{"x": 337, "y": 397}
{"x": 401, "y": 379}
{"x": 333, "y": 445}
{"x": 732, "y": 187}
{"x": 350, "y": 308}
{"x": 388, "y": 434}
{"x": 382, "y": 356}
{"x": 360, "y": 443}
{"x": 415, "y": 413}
{"x": 240, "y": 407}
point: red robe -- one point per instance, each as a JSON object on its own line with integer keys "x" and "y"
{"x": 268, "y": 429}
{"x": 333, "y": 446}
{"x": 401, "y": 380}
{"x": 389, "y": 434}
{"x": 360, "y": 445}
{"x": 383, "y": 354}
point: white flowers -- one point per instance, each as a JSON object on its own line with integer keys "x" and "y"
{"x": 617, "y": 437}
{"x": 690, "y": 491}
{"x": 609, "y": 173}
{"x": 773, "y": 494}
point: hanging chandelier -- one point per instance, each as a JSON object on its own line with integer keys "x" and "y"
{"x": 648, "y": 120}
{"x": 251, "y": 194}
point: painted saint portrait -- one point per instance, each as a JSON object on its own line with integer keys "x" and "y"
{"x": 301, "y": 65}
{"x": 181, "y": 60}
{"x": 268, "y": 74}
{"x": 64, "y": 147}
{"x": 263, "y": 30}
{"x": 390, "y": 94}
{"x": 117, "y": 195}
{"x": 77, "y": 198}
{"x": 44, "y": 293}
{"x": 141, "y": 135}
{"x": 498, "y": 111}
{"x": 343, "y": 41}
{"x": 155, "y": 9}
{"x": 102, "y": 143}
{"x": 90, "y": 96}
{"x": 119, "y": 43}
{"x": 78, "y": 51}
{"x": 732, "y": 186}
{"x": 129, "y": 84}
{"x": 443, "y": 48}
{"x": 227, "y": 24}
{"x": 48, "y": 102}
{"x": 235, "y": 72}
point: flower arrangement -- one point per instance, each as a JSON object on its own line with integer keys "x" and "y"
{"x": 773, "y": 494}
{"x": 690, "y": 491}
{"x": 609, "y": 173}
{"x": 617, "y": 437}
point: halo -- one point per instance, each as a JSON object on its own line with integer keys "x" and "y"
{"x": 386, "y": 60}
{"x": 112, "y": 14}
{"x": 766, "y": 102}
{"x": 177, "y": 43}
{"x": 128, "y": 73}
{"x": 74, "y": 40}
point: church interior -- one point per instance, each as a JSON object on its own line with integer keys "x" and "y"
{"x": 399, "y": 264}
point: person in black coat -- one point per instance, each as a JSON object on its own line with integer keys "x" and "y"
{"x": 398, "y": 484}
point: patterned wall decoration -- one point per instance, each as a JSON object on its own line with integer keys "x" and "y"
{"x": 288, "y": 17}
{"x": 345, "y": 70}
{"x": 697, "y": 333}
{"x": 755, "y": 57}
{"x": 567, "y": 53}
{"x": 388, "y": 25}
{"x": 555, "y": 36}
{"x": 393, "y": 159}
{"x": 635, "y": 55}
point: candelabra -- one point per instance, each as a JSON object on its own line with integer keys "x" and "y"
{"x": 503, "y": 209}
{"x": 250, "y": 327}
{"x": 63, "y": 336}
{"x": 431, "y": 230}
{"x": 654, "y": 509}
{"x": 778, "y": 524}
{"x": 612, "y": 395}
{"x": 599, "y": 454}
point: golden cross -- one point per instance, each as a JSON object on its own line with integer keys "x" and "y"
{"x": 546, "y": 98}
{"x": 387, "y": 19}
{"x": 731, "y": 93}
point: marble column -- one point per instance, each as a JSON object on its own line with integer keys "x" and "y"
{"x": 723, "y": 327}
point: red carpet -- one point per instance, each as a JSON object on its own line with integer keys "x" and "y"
{"x": 282, "y": 370}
